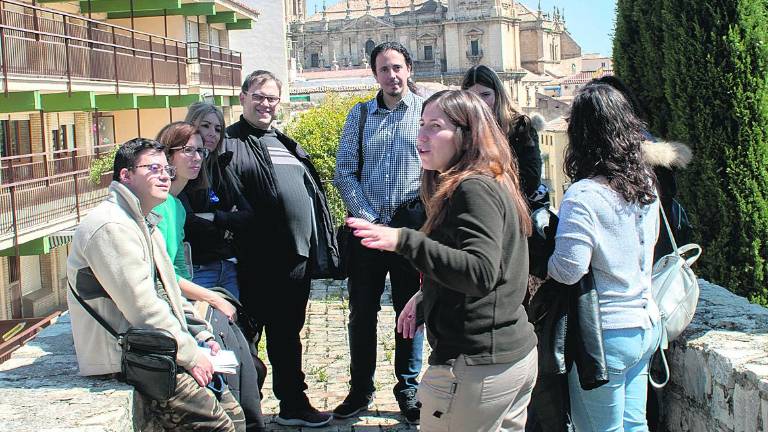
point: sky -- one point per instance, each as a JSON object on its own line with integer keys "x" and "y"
{"x": 589, "y": 22}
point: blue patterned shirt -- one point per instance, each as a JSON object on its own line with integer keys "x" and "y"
{"x": 391, "y": 171}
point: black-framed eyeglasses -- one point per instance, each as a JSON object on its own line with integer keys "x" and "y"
{"x": 190, "y": 151}
{"x": 259, "y": 98}
{"x": 157, "y": 169}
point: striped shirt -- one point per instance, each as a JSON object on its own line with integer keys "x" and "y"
{"x": 391, "y": 171}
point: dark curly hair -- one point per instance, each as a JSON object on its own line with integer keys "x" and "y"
{"x": 604, "y": 139}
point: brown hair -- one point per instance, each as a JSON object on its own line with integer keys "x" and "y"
{"x": 484, "y": 151}
{"x": 175, "y": 135}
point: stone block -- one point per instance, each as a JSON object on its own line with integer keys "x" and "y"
{"x": 746, "y": 403}
{"x": 763, "y": 415}
{"x": 720, "y": 408}
{"x": 696, "y": 377}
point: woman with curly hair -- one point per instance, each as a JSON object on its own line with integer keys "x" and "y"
{"x": 473, "y": 254}
{"x": 609, "y": 221}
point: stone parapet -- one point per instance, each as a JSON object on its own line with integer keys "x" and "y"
{"x": 41, "y": 391}
{"x": 720, "y": 367}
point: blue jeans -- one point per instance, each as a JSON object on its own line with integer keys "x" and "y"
{"x": 220, "y": 273}
{"x": 619, "y": 405}
{"x": 368, "y": 269}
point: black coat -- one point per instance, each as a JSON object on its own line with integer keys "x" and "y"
{"x": 566, "y": 320}
{"x": 524, "y": 141}
{"x": 211, "y": 240}
{"x": 268, "y": 238}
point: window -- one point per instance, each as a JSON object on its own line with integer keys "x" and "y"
{"x": 104, "y": 132}
{"x": 474, "y": 47}
{"x": 213, "y": 37}
{"x": 192, "y": 33}
{"x": 15, "y": 138}
{"x": 13, "y": 269}
{"x": 64, "y": 138}
{"x": 428, "y": 53}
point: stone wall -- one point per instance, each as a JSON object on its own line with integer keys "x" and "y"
{"x": 719, "y": 378}
{"x": 720, "y": 367}
{"x": 41, "y": 391}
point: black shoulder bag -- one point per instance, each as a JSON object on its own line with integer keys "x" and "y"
{"x": 149, "y": 357}
{"x": 344, "y": 236}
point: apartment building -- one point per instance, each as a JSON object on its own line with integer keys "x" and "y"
{"x": 76, "y": 78}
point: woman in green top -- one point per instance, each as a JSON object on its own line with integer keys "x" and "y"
{"x": 186, "y": 153}
{"x": 473, "y": 254}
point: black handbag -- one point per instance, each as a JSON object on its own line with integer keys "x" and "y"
{"x": 149, "y": 357}
{"x": 344, "y": 236}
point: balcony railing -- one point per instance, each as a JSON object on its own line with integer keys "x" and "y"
{"x": 28, "y": 205}
{"x": 38, "y": 166}
{"x": 214, "y": 66}
{"x": 42, "y": 42}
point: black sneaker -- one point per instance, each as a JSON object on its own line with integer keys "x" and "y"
{"x": 308, "y": 417}
{"x": 353, "y": 404}
{"x": 410, "y": 407}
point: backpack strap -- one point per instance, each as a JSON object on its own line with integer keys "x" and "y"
{"x": 360, "y": 132}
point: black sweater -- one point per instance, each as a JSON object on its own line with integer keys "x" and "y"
{"x": 524, "y": 141}
{"x": 475, "y": 267}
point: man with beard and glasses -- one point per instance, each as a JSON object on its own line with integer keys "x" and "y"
{"x": 388, "y": 179}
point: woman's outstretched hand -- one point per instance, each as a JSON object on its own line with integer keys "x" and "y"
{"x": 374, "y": 236}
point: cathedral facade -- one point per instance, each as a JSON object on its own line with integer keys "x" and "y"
{"x": 444, "y": 37}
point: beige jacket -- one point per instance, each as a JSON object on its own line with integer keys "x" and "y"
{"x": 110, "y": 266}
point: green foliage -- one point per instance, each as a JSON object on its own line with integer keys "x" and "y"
{"x": 318, "y": 131}
{"x": 101, "y": 165}
{"x": 712, "y": 66}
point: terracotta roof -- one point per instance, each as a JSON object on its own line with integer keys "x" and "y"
{"x": 584, "y": 77}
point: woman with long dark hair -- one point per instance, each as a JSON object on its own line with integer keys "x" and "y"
{"x": 473, "y": 254}
{"x": 516, "y": 126}
{"x": 609, "y": 221}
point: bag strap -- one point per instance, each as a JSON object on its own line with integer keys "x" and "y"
{"x": 664, "y": 363}
{"x": 669, "y": 229}
{"x": 360, "y": 132}
{"x": 93, "y": 313}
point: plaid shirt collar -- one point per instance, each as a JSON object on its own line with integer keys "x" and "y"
{"x": 404, "y": 103}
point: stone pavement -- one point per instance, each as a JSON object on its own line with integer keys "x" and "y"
{"x": 326, "y": 363}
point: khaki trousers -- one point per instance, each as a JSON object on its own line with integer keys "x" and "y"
{"x": 482, "y": 398}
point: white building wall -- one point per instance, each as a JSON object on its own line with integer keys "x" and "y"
{"x": 264, "y": 46}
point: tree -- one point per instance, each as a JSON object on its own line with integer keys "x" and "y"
{"x": 713, "y": 70}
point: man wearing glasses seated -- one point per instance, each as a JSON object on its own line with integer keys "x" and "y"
{"x": 291, "y": 240}
{"x": 119, "y": 268}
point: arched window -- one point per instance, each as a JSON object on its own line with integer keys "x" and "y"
{"x": 369, "y": 46}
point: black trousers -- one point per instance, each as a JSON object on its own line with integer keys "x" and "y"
{"x": 368, "y": 269}
{"x": 275, "y": 294}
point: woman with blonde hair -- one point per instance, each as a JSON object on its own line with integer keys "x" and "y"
{"x": 473, "y": 254}
{"x": 215, "y": 209}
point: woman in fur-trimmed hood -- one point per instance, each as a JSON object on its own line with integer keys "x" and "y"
{"x": 666, "y": 157}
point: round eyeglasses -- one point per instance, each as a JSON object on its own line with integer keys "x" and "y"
{"x": 190, "y": 151}
{"x": 157, "y": 169}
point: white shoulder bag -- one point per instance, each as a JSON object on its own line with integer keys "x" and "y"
{"x": 675, "y": 291}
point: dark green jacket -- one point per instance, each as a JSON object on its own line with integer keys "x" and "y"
{"x": 475, "y": 267}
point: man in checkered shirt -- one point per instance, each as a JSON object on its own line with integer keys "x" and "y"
{"x": 389, "y": 177}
